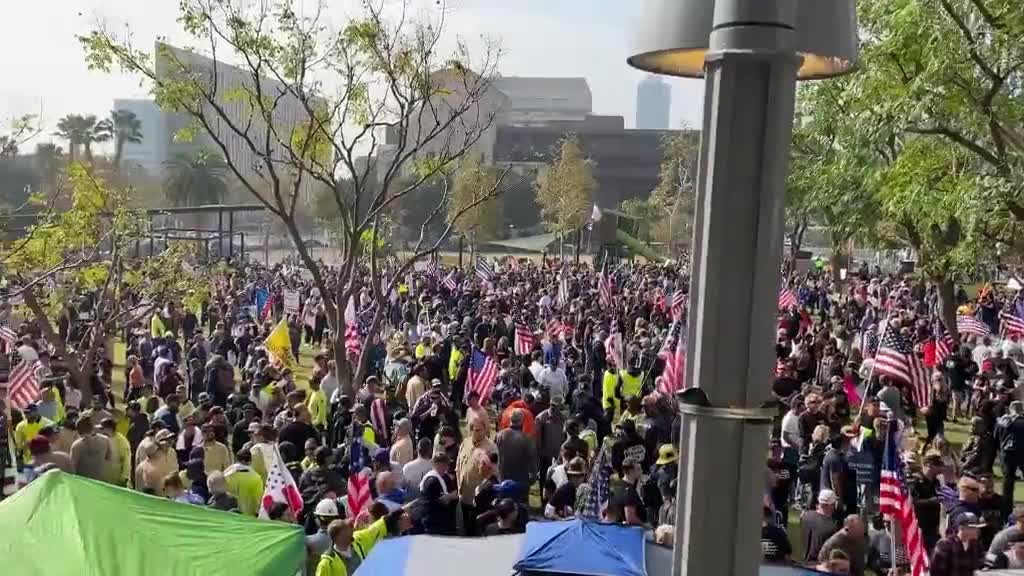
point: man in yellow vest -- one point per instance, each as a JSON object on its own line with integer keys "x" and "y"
{"x": 349, "y": 547}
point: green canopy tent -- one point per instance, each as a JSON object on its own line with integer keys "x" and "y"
{"x": 63, "y": 525}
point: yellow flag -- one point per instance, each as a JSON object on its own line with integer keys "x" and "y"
{"x": 156, "y": 326}
{"x": 279, "y": 344}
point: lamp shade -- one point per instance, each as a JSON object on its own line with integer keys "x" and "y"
{"x": 676, "y": 33}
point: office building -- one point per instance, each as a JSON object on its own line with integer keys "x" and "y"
{"x": 653, "y": 103}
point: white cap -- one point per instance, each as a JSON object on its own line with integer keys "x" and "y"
{"x": 826, "y": 497}
{"x": 327, "y": 508}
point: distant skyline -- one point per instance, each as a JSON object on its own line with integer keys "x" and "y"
{"x": 44, "y": 72}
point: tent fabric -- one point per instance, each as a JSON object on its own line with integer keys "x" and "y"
{"x": 422, "y": 555}
{"x": 64, "y": 525}
{"x": 584, "y": 548}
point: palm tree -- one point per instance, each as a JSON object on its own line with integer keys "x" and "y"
{"x": 83, "y": 131}
{"x": 70, "y": 128}
{"x": 196, "y": 179}
{"x": 48, "y": 160}
{"x": 126, "y": 127}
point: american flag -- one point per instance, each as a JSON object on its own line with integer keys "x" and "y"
{"x": 353, "y": 343}
{"x": 604, "y": 287}
{"x": 449, "y": 281}
{"x": 613, "y": 348}
{"x": 358, "y": 492}
{"x": 280, "y": 486}
{"x": 943, "y": 343}
{"x": 554, "y": 327}
{"x": 787, "y": 299}
{"x": 1011, "y": 324}
{"x": 524, "y": 339}
{"x": 484, "y": 270}
{"x": 568, "y": 331}
{"x": 23, "y": 385}
{"x": 971, "y": 325}
{"x": 8, "y": 335}
{"x": 599, "y": 482}
{"x": 678, "y": 304}
{"x": 673, "y": 352}
{"x": 896, "y": 359}
{"x": 894, "y": 501}
{"x": 483, "y": 371}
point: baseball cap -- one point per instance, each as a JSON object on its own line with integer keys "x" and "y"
{"x": 327, "y": 508}
{"x": 827, "y": 497}
{"x": 666, "y": 454}
{"x": 969, "y": 520}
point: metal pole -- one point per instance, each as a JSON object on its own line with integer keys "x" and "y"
{"x": 220, "y": 234}
{"x": 241, "y": 247}
{"x": 231, "y": 233}
{"x": 461, "y": 239}
{"x": 750, "y": 72}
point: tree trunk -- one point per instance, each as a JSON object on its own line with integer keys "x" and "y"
{"x": 835, "y": 261}
{"x": 947, "y": 306}
{"x": 80, "y": 374}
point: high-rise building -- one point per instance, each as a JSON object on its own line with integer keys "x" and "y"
{"x": 653, "y": 103}
{"x": 233, "y": 84}
{"x": 151, "y": 153}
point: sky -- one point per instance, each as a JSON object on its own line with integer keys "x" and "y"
{"x": 43, "y": 71}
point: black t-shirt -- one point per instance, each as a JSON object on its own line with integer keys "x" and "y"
{"x": 775, "y": 545}
{"x": 629, "y": 497}
{"x": 563, "y": 497}
{"x": 785, "y": 387}
{"x": 297, "y": 433}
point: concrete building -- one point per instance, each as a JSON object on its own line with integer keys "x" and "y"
{"x": 532, "y": 101}
{"x": 653, "y": 103}
{"x": 151, "y": 153}
{"x": 233, "y": 86}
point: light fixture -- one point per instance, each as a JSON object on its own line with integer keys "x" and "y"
{"x": 675, "y": 37}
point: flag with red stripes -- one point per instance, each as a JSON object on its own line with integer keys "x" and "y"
{"x": 604, "y": 287}
{"x": 23, "y": 385}
{"x": 1010, "y": 324}
{"x": 678, "y": 304}
{"x": 353, "y": 343}
{"x": 895, "y": 503}
{"x": 483, "y": 371}
{"x": 943, "y": 343}
{"x": 280, "y": 486}
{"x": 613, "y": 349}
{"x": 568, "y": 331}
{"x": 787, "y": 299}
{"x": 673, "y": 352}
{"x": 554, "y": 327}
{"x": 971, "y": 325}
{"x": 358, "y": 493}
{"x": 896, "y": 359}
{"x": 524, "y": 339}
{"x": 449, "y": 281}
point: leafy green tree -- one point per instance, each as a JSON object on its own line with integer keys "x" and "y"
{"x": 82, "y": 250}
{"x": 565, "y": 188}
{"x": 319, "y": 98}
{"x": 950, "y": 71}
{"x": 472, "y": 209}
{"x": 125, "y": 128}
{"x": 674, "y": 195}
{"x": 196, "y": 179}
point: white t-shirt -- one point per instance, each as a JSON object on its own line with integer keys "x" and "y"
{"x": 414, "y": 472}
{"x": 791, "y": 427}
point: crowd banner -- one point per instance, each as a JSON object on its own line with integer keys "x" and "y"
{"x": 291, "y": 301}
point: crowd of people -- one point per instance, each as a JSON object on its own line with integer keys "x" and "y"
{"x": 514, "y": 391}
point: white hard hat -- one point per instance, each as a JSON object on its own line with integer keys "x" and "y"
{"x": 327, "y": 508}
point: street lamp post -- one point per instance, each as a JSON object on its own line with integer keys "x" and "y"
{"x": 751, "y": 53}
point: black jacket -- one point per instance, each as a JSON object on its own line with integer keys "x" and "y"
{"x": 1010, "y": 434}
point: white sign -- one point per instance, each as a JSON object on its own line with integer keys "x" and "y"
{"x": 291, "y": 301}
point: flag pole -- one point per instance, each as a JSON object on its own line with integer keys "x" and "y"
{"x": 871, "y": 373}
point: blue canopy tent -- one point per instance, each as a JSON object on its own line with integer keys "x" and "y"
{"x": 581, "y": 547}
{"x": 569, "y": 548}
